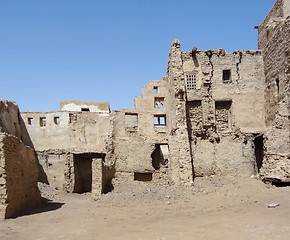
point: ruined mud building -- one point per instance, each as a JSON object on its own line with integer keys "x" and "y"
{"x": 214, "y": 113}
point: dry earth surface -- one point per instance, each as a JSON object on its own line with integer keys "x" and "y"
{"x": 214, "y": 208}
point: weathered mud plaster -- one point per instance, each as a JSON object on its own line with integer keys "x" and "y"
{"x": 19, "y": 168}
{"x": 76, "y": 106}
{"x": 214, "y": 112}
{"x": 276, "y": 55}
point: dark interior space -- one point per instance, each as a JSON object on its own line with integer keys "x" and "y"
{"x": 281, "y": 184}
{"x": 83, "y": 172}
{"x": 157, "y": 157}
{"x": 144, "y": 177}
{"x": 259, "y": 151}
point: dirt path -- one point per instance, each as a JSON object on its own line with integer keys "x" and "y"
{"x": 213, "y": 209}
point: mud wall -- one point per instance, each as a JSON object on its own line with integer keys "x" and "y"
{"x": 209, "y": 98}
{"x": 135, "y": 133}
{"x": 67, "y": 130}
{"x": 18, "y": 177}
{"x": 276, "y": 163}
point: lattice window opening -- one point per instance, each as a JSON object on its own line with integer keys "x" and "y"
{"x": 190, "y": 82}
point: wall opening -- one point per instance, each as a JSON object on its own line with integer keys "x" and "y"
{"x": 190, "y": 81}
{"x": 159, "y": 103}
{"x": 72, "y": 118}
{"x": 227, "y": 76}
{"x": 42, "y": 121}
{"x": 144, "y": 177}
{"x": 281, "y": 184}
{"x": 155, "y": 90}
{"x": 159, "y": 120}
{"x": 259, "y": 151}
{"x": 159, "y": 156}
{"x": 85, "y": 109}
{"x": 30, "y": 121}
{"x": 82, "y": 173}
{"x": 277, "y": 85}
{"x": 56, "y": 120}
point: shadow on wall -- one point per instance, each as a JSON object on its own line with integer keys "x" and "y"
{"x": 25, "y": 138}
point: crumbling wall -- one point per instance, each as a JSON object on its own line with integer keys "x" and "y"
{"x": 78, "y": 106}
{"x": 135, "y": 133}
{"x": 229, "y": 155}
{"x": 209, "y": 98}
{"x": 67, "y": 130}
{"x": 272, "y": 22}
{"x": 18, "y": 177}
{"x": 180, "y": 162}
{"x": 9, "y": 118}
{"x": 276, "y": 54}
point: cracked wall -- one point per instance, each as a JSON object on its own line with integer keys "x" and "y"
{"x": 19, "y": 169}
{"x": 65, "y": 132}
{"x": 276, "y": 54}
{"x": 135, "y": 133}
{"x": 215, "y": 116}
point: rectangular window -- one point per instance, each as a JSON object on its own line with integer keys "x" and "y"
{"x": 159, "y": 120}
{"x": 159, "y": 102}
{"x": 131, "y": 121}
{"x": 30, "y": 121}
{"x": 190, "y": 82}
{"x": 42, "y": 121}
{"x": 227, "y": 76}
{"x": 155, "y": 90}
{"x": 85, "y": 109}
{"x": 56, "y": 120}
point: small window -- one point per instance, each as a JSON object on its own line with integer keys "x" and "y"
{"x": 85, "y": 109}
{"x": 159, "y": 102}
{"x": 30, "y": 121}
{"x": 56, "y": 120}
{"x": 72, "y": 118}
{"x": 155, "y": 90}
{"x": 227, "y": 76}
{"x": 42, "y": 121}
{"x": 159, "y": 120}
{"x": 190, "y": 82}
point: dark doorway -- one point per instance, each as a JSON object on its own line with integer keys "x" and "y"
{"x": 259, "y": 151}
{"x": 158, "y": 159}
{"x": 83, "y": 172}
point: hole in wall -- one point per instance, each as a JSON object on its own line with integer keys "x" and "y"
{"x": 144, "y": 177}
{"x": 259, "y": 151}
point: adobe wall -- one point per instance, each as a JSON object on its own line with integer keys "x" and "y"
{"x": 18, "y": 177}
{"x": 12, "y": 123}
{"x": 135, "y": 133}
{"x": 272, "y": 21}
{"x": 276, "y": 54}
{"x": 78, "y": 106}
{"x": 212, "y": 121}
{"x": 67, "y": 130}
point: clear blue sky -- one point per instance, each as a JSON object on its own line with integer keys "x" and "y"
{"x": 53, "y": 50}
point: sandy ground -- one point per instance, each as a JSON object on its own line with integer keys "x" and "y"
{"x": 214, "y": 208}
